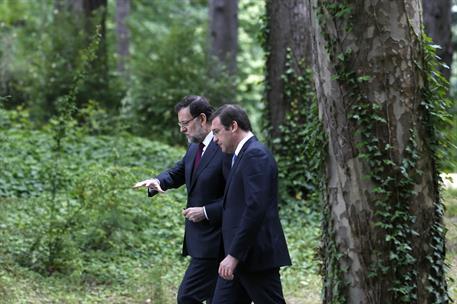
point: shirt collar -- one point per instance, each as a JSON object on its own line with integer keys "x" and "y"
{"x": 207, "y": 140}
{"x": 242, "y": 142}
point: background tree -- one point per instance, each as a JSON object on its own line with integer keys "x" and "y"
{"x": 294, "y": 131}
{"x": 93, "y": 16}
{"x": 378, "y": 95}
{"x": 223, "y": 29}
{"x": 288, "y": 52}
{"x": 122, "y": 33}
{"x": 438, "y": 21}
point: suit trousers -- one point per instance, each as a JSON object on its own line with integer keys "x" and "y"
{"x": 199, "y": 281}
{"x": 262, "y": 287}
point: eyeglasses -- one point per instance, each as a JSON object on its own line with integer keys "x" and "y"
{"x": 185, "y": 124}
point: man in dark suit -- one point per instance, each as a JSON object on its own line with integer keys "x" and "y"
{"x": 203, "y": 171}
{"x": 253, "y": 240}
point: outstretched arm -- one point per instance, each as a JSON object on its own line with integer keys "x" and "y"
{"x": 152, "y": 183}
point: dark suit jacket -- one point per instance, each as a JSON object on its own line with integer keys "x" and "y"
{"x": 251, "y": 229}
{"x": 205, "y": 187}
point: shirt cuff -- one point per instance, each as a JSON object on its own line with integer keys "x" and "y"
{"x": 204, "y": 211}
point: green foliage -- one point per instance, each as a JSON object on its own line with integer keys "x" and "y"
{"x": 101, "y": 218}
{"x": 40, "y": 53}
{"x": 394, "y": 188}
{"x": 302, "y": 228}
{"x": 96, "y": 120}
{"x": 24, "y": 154}
{"x": 14, "y": 66}
{"x": 250, "y": 59}
{"x": 439, "y": 108}
{"x": 301, "y": 147}
{"x": 161, "y": 76}
{"x": 436, "y": 108}
{"x": 42, "y": 57}
{"x": 77, "y": 215}
{"x": 108, "y": 241}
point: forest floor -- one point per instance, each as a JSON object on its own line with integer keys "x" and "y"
{"x": 450, "y": 199}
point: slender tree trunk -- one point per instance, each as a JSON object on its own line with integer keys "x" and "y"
{"x": 289, "y": 51}
{"x": 223, "y": 25}
{"x": 438, "y": 19}
{"x": 381, "y": 198}
{"x": 93, "y": 14}
{"x": 78, "y": 5}
{"x": 89, "y": 20}
{"x": 89, "y": 8}
{"x": 122, "y": 12}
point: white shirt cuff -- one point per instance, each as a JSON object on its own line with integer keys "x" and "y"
{"x": 204, "y": 211}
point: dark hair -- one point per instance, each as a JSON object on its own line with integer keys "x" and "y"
{"x": 229, "y": 113}
{"x": 196, "y": 104}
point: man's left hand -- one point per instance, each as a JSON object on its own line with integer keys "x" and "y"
{"x": 194, "y": 214}
{"x": 227, "y": 267}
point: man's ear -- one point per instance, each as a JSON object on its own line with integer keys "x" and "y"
{"x": 234, "y": 126}
{"x": 203, "y": 118}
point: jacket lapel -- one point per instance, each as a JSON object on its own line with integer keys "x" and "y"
{"x": 235, "y": 165}
{"x": 189, "y": 165}
{"x": 210, "y": 152}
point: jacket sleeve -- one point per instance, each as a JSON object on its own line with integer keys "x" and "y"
{"x": 214, "y": 212}
{"x": 172, "y": 178}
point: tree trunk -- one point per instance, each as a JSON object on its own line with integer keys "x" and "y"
{"x": 289, "y": 51}
{"x": 382, "y": 234}
{"x": 93, "y": 14}
{"x": 294, "y": 132}
{"x": 223, "y": 27}
{"x": 89, "y": 9}
{"x": 438, "y": 19}
{"x": 122, "y": 12}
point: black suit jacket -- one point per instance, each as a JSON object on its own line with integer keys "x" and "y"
{"x": 251, "y": 229}
{"x": 205, "y": 187}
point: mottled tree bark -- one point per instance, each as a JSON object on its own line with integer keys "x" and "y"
{"x": 288, "y": 32}
{"x": 438, "y": 19}
{"x": 369, "y": 56}
{"x": 223, "y": 27}
{"x": 122, "y": 31}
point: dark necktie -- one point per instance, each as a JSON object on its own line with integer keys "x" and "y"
{"x": 198, "y": 156}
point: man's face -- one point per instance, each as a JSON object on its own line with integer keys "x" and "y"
{"x": 222, "y": 137}
{"x": 191, "y": 126}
